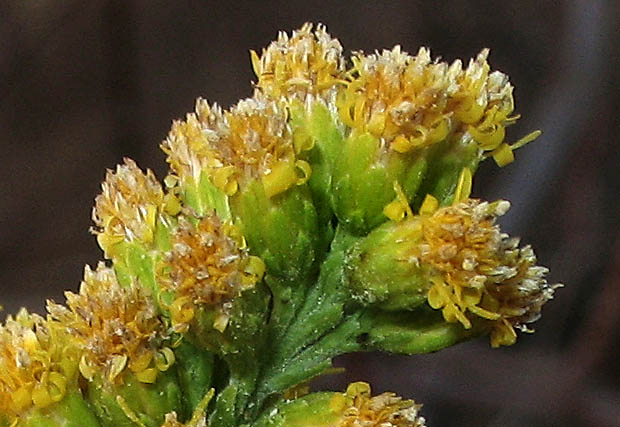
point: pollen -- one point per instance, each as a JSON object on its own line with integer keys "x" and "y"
{"x": 306, "y": 63}
{"x": 386, "y": 409}
{"x": 116, "y": 328}
{"x": 251, "y": 141}
{"x": 128, "y": 206}
{"x": 208, "y": 266}
{"x": 412, "y": 102}
{"x": 477, "y": 270}
{"x": 35, "y": 365}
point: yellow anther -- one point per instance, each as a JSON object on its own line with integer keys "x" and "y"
{"x": 255, "y": 268}
{"x": 57, "y": 386}
{"x": 401, "y": 144}
{"x": 429, "y": 205}
{"x": 140, "y": 363}
{"x": 182, "y": 310}
{"x": 41, "y": 396}
{"x": 224, "y": 179}
{"x": 116, "y": 366}
{"x": 86, "y": 369}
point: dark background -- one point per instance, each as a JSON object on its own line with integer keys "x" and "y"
{"x": 85, "y": 83}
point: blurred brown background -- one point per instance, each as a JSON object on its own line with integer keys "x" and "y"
{"x": 85, "y": 83}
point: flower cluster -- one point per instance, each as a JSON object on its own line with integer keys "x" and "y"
{"x": 327, "y": 214}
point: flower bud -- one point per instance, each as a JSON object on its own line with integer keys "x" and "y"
{"x": 132, "y": 219}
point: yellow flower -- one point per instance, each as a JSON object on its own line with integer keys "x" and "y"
{"x": 36, "y": 367}
{"x": 411, "y": 102}
{"x": 476, "y": 269}
{"x": 208, "y": 265}
{"x": 129, "y": 205}
{"x": 114, "y": 327}
{"x": 307, "y": 63}
{"x": 250, "y": 141}
{"x": 359, "y": 408}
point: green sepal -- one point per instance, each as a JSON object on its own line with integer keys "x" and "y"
{"x": 71, "y": 411}
{"x": 204, "y": 197}
{"x": 317, "y": 125}
{"x": 281, "y": 228}
{"x": 225, "y": 413}
{"x": 148, "y": 402}
{"x": 312, "y": 410}
{"x": 241, "y": 345}
{"x": 413, "y": 332}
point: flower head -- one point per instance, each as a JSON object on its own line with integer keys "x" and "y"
{"x": 306, "y": 63}
{"x": 36, "y": 367}
{"x": 114, "y": 327}
{"x": 208, "y": 266}
{"x": 411, "y": 102}
{"x": 129, "y": 205}
{"x": 474, "y": 268}
{"x": 251, "y": 141}
{"x": 386, "y": 409}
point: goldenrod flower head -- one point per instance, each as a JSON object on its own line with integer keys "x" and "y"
{"x": 476, "y": 269}
{"x": 387, "y": 409}
{"x": 190, "y": 143}
{"x": 250, "y": 141}
{"x": 306, "y": 63}
{"x": 412, "y": 102}
{"x": 208, "y": 266}
{"x": 36, "y": 367}
{"x": 115, "y": 328}
{"x": 128, "y": 206}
